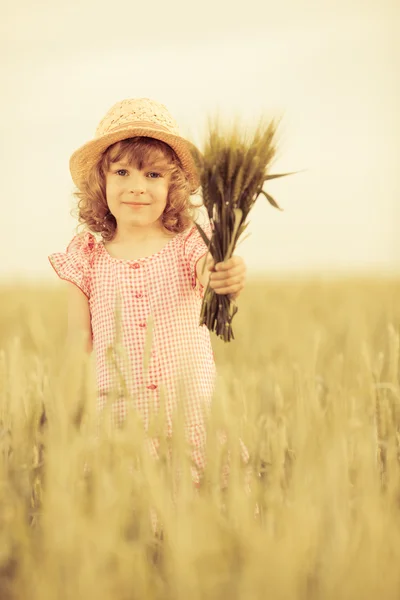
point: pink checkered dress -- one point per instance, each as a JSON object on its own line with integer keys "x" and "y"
{"x": 150, "y": 303}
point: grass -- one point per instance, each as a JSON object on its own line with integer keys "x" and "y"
{"x": 311, "y": 383}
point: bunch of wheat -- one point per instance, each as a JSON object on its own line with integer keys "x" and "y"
{"x": 233, "y": 170}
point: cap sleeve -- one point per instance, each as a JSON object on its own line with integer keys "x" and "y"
{"x": 75, "y": 265}
{"x": 194, "y": 248}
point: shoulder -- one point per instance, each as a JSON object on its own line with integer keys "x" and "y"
{"x": 197, "y": 234}
{"x": 75, "y": 264}
{"x": 84, "y": 243}
{"x": 84, "y": 248}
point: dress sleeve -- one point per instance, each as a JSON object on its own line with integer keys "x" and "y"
{"x": 194, "y": 249}
{"x": 75, "y": 265}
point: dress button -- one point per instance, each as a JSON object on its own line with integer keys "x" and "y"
{"x": 142, "y": 325}
{"x": 139, "y": 295}
{"x": 135, "y": 266}
{"x": 152, "y": 387}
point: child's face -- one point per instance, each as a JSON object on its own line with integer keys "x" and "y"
{"x": 137, "y": 197}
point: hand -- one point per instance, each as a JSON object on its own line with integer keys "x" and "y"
{"x": 228, "y": 277}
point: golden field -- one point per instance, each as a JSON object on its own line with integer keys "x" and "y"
{"x": 312, "y": 386}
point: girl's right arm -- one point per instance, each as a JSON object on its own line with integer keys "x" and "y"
{"x": 79, "y": 324}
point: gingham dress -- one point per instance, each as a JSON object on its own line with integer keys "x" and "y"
{"x": 154, "y": 302}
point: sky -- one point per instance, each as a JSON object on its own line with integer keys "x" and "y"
{"x": 328, "y": 69}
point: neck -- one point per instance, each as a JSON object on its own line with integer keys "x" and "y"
{"x": 139, "y": 234}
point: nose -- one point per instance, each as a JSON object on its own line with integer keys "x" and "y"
{"x": 137, "y": 184}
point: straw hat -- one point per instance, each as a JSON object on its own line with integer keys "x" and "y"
{"x": 131, "y": 118}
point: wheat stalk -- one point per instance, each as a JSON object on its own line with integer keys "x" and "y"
{"x": 233, "y": 170}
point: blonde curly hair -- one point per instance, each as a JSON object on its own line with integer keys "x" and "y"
{"x": 92, "y": 209}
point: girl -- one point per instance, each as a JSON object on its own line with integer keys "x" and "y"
{"x": 148, "y": 271}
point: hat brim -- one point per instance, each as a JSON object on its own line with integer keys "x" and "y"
{"x": 87, "y": 156}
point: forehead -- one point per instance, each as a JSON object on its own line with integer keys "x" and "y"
{"x": 150, "y": 162}
{"x": 139, "y": 157}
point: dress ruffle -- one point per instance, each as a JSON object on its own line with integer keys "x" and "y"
{"x": 75, "y": 265}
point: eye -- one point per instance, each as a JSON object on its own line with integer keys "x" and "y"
{"x": 157, "y": 175}
{"x": 121, "y": 171}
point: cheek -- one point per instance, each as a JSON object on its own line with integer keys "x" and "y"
{"x": 111, "y": 187}
{"x": 113, "y": 193}
{"x": 160, "y": 195}
{"x": 166, "y": 194}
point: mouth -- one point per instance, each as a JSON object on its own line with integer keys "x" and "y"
{"x": 136, "y": 204}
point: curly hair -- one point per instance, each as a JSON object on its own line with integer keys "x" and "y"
{"x": 92, "y": 207}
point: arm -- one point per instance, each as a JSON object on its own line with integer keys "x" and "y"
{"x": 203, "y": 277}
{"x": 79, "y": 325}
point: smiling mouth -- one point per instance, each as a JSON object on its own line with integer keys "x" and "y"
{"x": 137, "y": 203}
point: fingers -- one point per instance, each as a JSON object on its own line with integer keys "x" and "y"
{"x": 227, "y": 277}
{"x": 227, "y": 274}
{"x": 231, "y": 263}
{"x": 231, "y": 283}
{"x": 233, "y": 290}
{"x": 232, "y": 279}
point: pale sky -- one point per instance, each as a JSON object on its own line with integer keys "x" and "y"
{"x": 329, "y": 68}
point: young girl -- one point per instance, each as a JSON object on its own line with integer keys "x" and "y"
{"x": 135, "y": 180}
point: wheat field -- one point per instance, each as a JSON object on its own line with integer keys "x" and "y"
{"x": 311, "y": 384}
